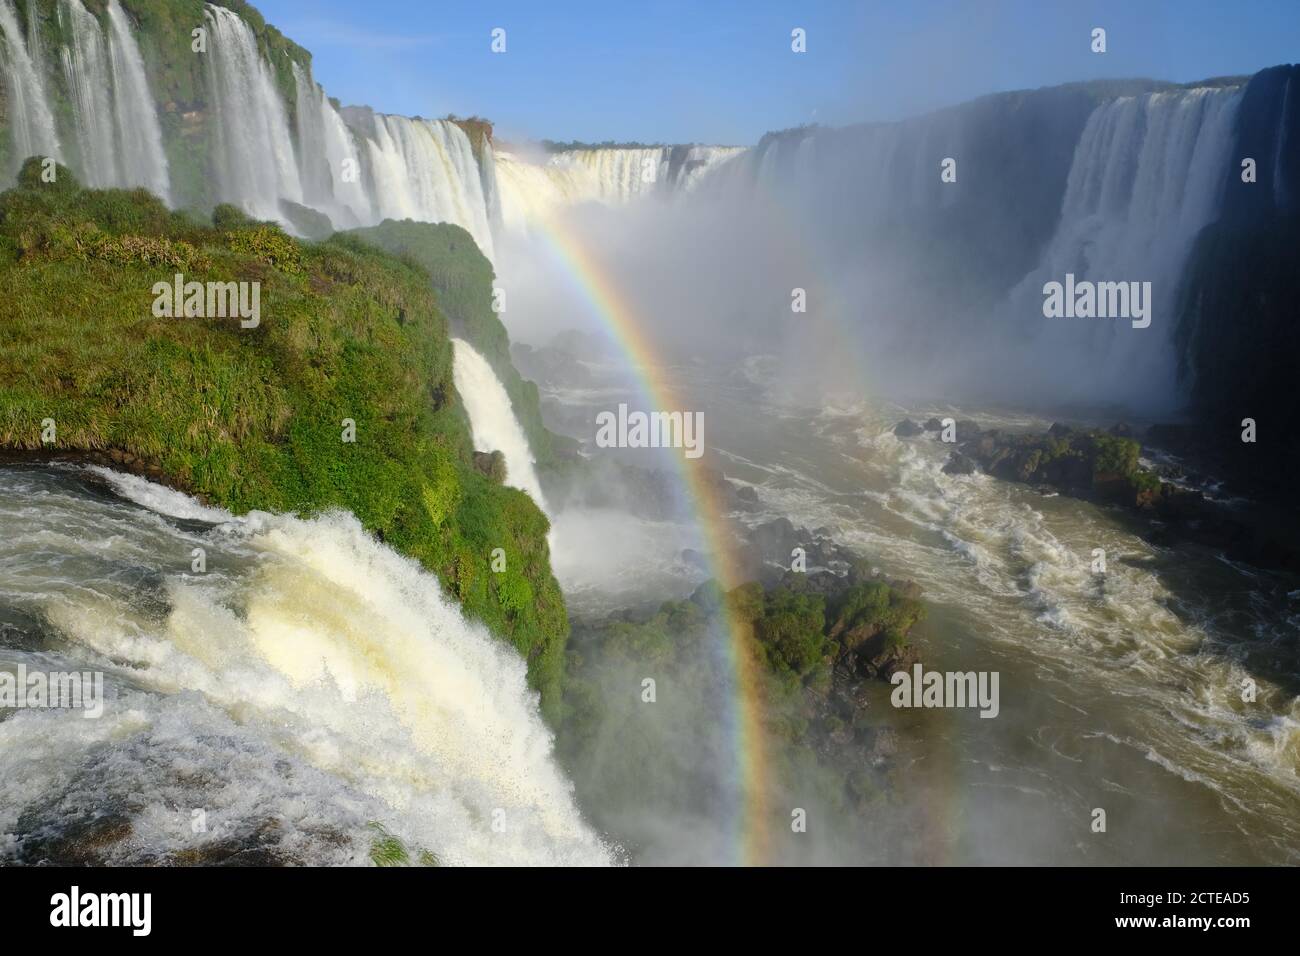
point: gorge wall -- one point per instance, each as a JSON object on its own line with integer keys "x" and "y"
{"x": 930, "y": 287}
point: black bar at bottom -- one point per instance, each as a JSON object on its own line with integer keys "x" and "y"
{"x": 222, "y": 906}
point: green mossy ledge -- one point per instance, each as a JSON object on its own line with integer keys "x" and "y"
{"x": 463, "y": 277}
{"x": 253, "y": 418}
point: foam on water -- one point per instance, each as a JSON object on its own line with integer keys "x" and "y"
{"x": 158, "y": 497}
{"x": 312, "y": 678}
{"x": 1015, "y": 566}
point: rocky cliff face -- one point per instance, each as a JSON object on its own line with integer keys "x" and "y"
{"x": 1238, "y": 338}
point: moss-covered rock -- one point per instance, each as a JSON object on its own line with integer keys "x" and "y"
{"x": 463, "y": 277}
{"x": 627, "y": 751}
{"x": 253, "y": 418}
{"x": 1084, "y": 462}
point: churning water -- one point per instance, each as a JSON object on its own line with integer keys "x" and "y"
{"x": 306, "y": 686}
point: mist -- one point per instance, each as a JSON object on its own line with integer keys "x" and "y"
{"x": 846, "y": 255}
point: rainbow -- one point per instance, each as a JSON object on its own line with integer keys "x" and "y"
{"x": 753, "y": 816}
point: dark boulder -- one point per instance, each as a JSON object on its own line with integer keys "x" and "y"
{"x": 492, "y": 464}
{"x": 959, "y": 464}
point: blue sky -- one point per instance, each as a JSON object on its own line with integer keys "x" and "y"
{"x": 723, "y": 71}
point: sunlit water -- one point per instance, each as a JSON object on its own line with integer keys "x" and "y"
{"x": 1120, "y": 692}
{"x": 311, "y": 683}
{"x": 300, "y": 686}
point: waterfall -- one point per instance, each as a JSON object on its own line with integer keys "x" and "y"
{"x": 311, "y": 682}
{"x": 617, "y": 176}
{"x": 254, "y": 157}
{"x": 951, "y": 275}
{"x": 139, "y": 136}
{"x": 425, "y": 170}
{"x": 532, "y": 191}
{"x": 114, "y": 117}
{"x": 85, "y": 67}
{"x": 491, "y": 189}
{"x": 329, "y": 164}
{"x": 1148, "y": 174}
{"x": 355, "y": 166}
{"x": 492, "y": 419}
{"x": 31, "y": 122}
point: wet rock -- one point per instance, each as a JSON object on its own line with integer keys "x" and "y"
{"x": 775, "y": 540}
{"x": 908, "y": 429}
{"x": 81, "y": 841}
{"x": 492, "y": 464}
{"x": 959, "y": 464}
{"x": 20, "y": 631}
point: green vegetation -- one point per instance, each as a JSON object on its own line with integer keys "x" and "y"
{"x": 795, "y": 633}
{"x": 177, "y": 77}
{"x": 388, "y": 850}
{"x": 463, "y": 277}
{"x": 787, "y": 627}
{"x": 815, "y": 647}
{"x": 254, "y": 418}
{"x": 1114, "y": 455}
{"x": 1087, "y": 462}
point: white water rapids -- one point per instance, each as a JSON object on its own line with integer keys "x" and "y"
{"x": 310, "y": 683}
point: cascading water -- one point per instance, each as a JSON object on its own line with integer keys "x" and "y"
{"x": 533, "y": 192}
{"x": 1148, "y": 174}
{"x": 328, "y": 157}
{"x": 309, "y": 684}
{"x": 425, "y": 170}
{"x": 85, "y": 67}
{"x": 115, "y": 120}
{"x": 254, "y": 157}
{"x": 530, "y": 192}
{"x": 618, "y": 176}
{"x": 491, "y": 189}
{"x": 418, "y": 169}
{"x": 492, "y": 419}
{"x": 31, "y": 122}
{"x": 139, "y": 136}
